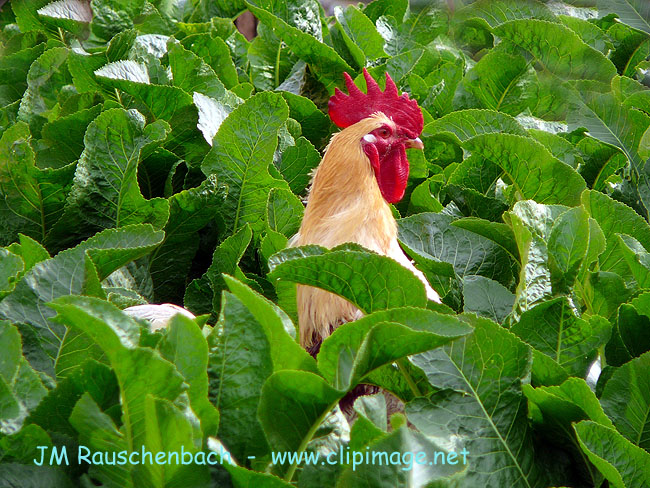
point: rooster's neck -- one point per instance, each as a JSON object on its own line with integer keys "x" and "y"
{"x": 345, "y": 203}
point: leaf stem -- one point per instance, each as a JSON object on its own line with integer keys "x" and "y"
{"x": 277, "y": 64}
{"x": 303, "y": 445}
{"x": 409, "y": 380}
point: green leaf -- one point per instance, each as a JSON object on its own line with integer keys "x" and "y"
{"x": 284, "y": 212}
{"x": 465, "y": 124}
{"x": 604, "y": 292}
{"x": 600, "y": 162}
{"x": 225, "y": 260}
{"x": 118, "y": 337}
{"x": 111, "y": 17}
{"x": 97, "y": 431}
{"x": 497, "y": 12}
{"x": 63, "y": 275}
{"x": 394, "y": 8}
{"x": 361, "y": 31}
{"x": 357, "y": 348}
{"x": 239, "y": 363}
{"x": 609, "y": 121}
{"x": 90, "y": 377}
{"x": 14, "y": 68}
{"x": 433, "y": 237}
{"x": 270, "y": 60}
{"x": 637, "y": 259}
{"x": 326, "y": 64}
{"x": 280, "y": 331}
{"x": 26, "y": 14}
{"x": 242, "y": 151}
{"x": 315, "y": 127}
{"x": 11, "y": 268}
{"x": 32, "y": 199}
{"x": 71, "y": 15}
{"x": 215, "y": 53}
{"x": 436, "y": 467}
{"x": 568, "y": 243}
{"x": 626, "y": 400}
{"x": 558, "y": 49}
{"x": 29, "y": 476}
{"x": 189, "y": 212}
{"x": 370, "y": 281}
{"x": 64, "y": 138}
{"x": 479, "y": 376}
{"x": 621, "y": 462}
{"x": 634, "y": 13}
{"x": 552, "y": 327}
{"x": 21, "y": 389}
{"x": 615, "y": 218}
{"x": 497, "y": 232}
{"x": 501, "y": 81}
{"x": 105, "y": 193}
{"x": 558, "y": 147}
{"x": 292, "y": 407}
{"x": 415, "y": 30}
{"x": 47, "y": 75}
{"x": 535, "y": 173}
{"x": 297, "y": 163}
{"x": 629, "y": 338}
{"x": 486, "y": 298}
{"x": 185, "y": 346}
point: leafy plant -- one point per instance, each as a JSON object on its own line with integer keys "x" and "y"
{"x": 149, "y": 152}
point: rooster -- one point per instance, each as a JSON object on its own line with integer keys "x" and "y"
{"x": 364, "y": 169}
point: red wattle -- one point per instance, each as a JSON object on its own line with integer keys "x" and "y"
{"x": 391, "y": 172}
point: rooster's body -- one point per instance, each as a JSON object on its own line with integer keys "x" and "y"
{"x": 364, "y": 168}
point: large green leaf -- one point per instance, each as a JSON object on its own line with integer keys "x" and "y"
{"x": 497, "y": 12}
{"x": 433, "y": 236}
{"x": 558, "y": 49}
{"x": 105, "y": 193}
{"x": 368, "y": 280}
{"x": 501, "y": 81}
{"x": 92, "y": 378}
{"x": 436, "y": 465}
{"x": 239, "y": 363}
{"x": 629, "y": 339}
{"x": 280, "y": 331}
{"x": 31, "y": 199}
{"x": 47, "y": 76}
{"x": 118, "y": 336}
{"x": 480, "y": 401}
{"x": 635, "y": 13}
{"x": 609, "y": 121}
{"x": 615, "y": 218}
{"x": 553, "y": 328}
{"x": 21, "y": 389}
{"x": 357, "y": 348}
{"x": 620, "y": 461}
{"x": 185, "y": 346}
{"x": 189, "y": 212}
{"x": 292, "y": 407}
{"x": 242, "y": 152}
{"x": 626, "y": 400}
{"x": 328, "y": 66}
{"x": 486, "y": 298}
{"x": 535, "y": 173}
{"x": 73, "y": 271}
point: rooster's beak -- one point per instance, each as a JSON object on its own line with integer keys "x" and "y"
{"x": 416, "y": 143}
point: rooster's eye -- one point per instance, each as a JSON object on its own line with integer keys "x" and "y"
{"x": 383, "y": 132}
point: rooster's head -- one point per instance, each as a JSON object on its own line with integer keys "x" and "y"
{"x": 386, "y": 145}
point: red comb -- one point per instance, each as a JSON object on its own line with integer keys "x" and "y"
{"x": 346, "y": 110}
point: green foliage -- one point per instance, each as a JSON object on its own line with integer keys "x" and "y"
{"x": 149, "y": 152}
